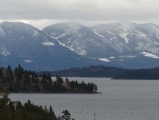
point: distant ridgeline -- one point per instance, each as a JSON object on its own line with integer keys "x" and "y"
{"x": 89, "y": 71}
{"x": 147, "y": 74}
{"x": 109, "y": 72}
{"x": 20, "y": 80}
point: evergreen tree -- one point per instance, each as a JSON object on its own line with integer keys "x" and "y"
{"x": 66, "y": 115}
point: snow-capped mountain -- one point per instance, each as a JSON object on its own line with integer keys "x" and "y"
{"x": 26, "y": 45}
{"x": 138, "y": 43}
{"x": 125, "y": 44}
{"x": 66, "y": 45}
{"x": 79, "y": 39}
{"x": 127, "y": 37}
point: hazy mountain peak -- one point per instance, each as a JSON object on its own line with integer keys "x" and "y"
{"x": 125, "y": 22}
{"x": 72, "y": 24}
{"x": 66, "y": 25}
{"x": 17, "y": 24}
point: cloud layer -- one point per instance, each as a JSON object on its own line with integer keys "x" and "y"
{"x": 85, "y": 11}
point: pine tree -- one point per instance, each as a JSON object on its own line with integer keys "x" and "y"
{"x": 66, "y": 115}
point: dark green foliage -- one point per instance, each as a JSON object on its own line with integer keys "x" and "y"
{"x": 90, "y": 71}
{"x": 66, "y": 115}
{"x": 83, "y": 87}
{"x": 10, "y": 110}
{"x": 14, "y": 110}
{"x": 20, "y": 80}
{"x": 151, "y": 74}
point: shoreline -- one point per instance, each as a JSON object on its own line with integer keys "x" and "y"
{"x": 53, "y": 93}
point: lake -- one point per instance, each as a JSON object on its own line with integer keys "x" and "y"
{"x": 120, "y": 100}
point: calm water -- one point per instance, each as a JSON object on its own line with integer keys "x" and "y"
{"x": 120, "y": 100}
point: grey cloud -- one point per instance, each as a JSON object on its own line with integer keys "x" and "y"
{"x": 80, "y": 10}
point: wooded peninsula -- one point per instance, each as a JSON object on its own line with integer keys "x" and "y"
{"x": 24, "y": 81}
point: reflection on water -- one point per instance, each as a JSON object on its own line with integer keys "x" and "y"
{"x": 120, "y": 100}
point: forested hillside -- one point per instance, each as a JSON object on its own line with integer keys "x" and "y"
{"x": 110, "y": 72}
{"x": 89, "y": 71}
{"x": 147, "y": 74}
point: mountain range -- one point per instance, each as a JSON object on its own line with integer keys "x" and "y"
{"x": 66, "y": 45}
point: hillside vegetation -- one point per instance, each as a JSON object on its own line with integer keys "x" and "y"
{"x": 20, "y": 80}
{"x": 110, "y": 72}
{"x": 147, "y": 74}
{"x": 89, "y": 71}
{"x": 15, "y": 110}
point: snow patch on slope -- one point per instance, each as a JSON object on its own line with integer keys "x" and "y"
{"x": 141, "y": 35}
{"x": 104, "y": 59}
{"x": 35, "y": 33}
{"x": 28, "y": 61}
{"x": 62, "y": 44}
{"x": 48, "y": 43}
{"x": 146, "y": 54}
{"x": 112, "y": 57}
{"x": 100, "y": 35}
{"x": 130, "y": 56}
{"x": 124, "y": 36}
{"x": 58, "y": 37}
{"x": 82, "y": 52}
{"x": 4, "y": 52}
{"x": 78, "y": 50}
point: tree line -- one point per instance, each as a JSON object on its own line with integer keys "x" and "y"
{"x": 142, "y": 74}
{"x": 15, "y": 110}
{"x": 20, "y": 80}
{"x": 89, "y": 71}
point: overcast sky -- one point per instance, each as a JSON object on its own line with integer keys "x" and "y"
{"x": 41, "y": 13}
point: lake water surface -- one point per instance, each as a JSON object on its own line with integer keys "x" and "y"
{"x": 120, "y": 100}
